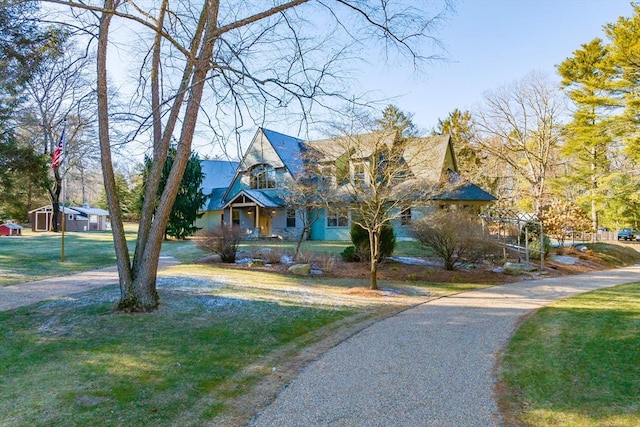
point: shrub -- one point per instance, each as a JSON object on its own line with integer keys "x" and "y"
{"x": 535, "y": 248}
{"x": 222, "y": 240}
{"x": 360, "y": 239}
{"x": 455, "y": 236}
{"x": 349, "y": 254}
{"x": 531, "y": 230}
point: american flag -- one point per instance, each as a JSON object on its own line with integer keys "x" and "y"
{"x": 58, "y": 151}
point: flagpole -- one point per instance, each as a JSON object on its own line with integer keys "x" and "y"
{"x": 64, "y": 216}
{"x": 58, "y": 161}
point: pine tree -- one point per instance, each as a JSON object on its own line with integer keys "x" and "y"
{"x": 586, "y": 77}
{"x": 190, "y": 197}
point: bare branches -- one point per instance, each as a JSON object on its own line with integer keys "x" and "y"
{"x": 520, "y": 125}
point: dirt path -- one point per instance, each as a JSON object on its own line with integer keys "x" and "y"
{"x": 29, "y": 293}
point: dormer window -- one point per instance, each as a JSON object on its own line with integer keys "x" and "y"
{"x": 327, "y": 177}
{"x": 359, "y": 174}
{"x": 263, "y": 176}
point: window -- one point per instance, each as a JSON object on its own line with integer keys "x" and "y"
{"x": 291, "y": 217}
{"x": 235, "y": 217}
{"x": 405, "y": 216}
{"x": 262, "y": 176}
{"x": 338, "y": 218}
{"x": 327, "y": 177}
{"x": 359, "y": 177}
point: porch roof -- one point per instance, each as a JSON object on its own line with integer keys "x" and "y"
{"x": 468, "y": 192}
{"x": 260, "y": 198}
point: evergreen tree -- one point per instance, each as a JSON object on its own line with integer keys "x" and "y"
{"x": 586, "y": 77}
{"x": 395, "y": 119}
{"x": 190, "y": 197}
{"x": 624, "y": 48}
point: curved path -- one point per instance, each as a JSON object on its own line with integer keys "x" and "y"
{"x": 431, "y": 365}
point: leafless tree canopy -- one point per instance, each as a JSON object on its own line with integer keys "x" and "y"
{"x": 520, "y": 124}
{"x": 229, "y": 62}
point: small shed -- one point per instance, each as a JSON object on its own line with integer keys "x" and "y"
{"x": 40, "y": 218}
{"x": 97, "y": 219}
{"x": 10, "y": 229}
{"x": 75, "y": 218}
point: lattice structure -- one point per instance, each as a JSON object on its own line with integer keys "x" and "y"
{"x": 507, "y": 226}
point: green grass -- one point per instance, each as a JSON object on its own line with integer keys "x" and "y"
{"x": 577, "y": 362}
{"x": 37, "y": 256}
{"x": 74, "y": 362}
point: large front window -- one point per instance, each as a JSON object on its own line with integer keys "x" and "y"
{"x": 263, "y": 176}
{"x": 338, "y": 218}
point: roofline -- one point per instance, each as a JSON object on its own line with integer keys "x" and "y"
{"x": 242, "y": 192}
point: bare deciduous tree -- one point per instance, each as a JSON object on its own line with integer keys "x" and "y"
{"x": 61, "y": 95}
{"x": 375, "y": 177}
{"x": 254, "y": 58}
{"x": 520, "y": 125}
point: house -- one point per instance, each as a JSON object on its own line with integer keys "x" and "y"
{"x": 256, "y": 196}
{"x": 76, "y": 218}
{"x": 10, "y": 229}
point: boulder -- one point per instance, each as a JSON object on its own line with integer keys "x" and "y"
{"x": 300, "y": 269}
{"x": 256, "y": 263}
{"x": 563, "y": 259}
{"x": 517, "y": 268}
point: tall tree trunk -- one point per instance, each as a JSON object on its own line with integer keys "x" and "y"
{"x": 117, "y": 227}
{"x": 374, "y": 250}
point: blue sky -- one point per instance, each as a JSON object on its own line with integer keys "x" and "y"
{"x": 492, "y": 43}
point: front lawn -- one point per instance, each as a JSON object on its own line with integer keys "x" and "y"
{"x": 576, "y": 362}
{"x": 223, "y": 342}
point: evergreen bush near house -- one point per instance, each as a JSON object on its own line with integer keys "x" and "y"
{"x": 189, "y": 198}
{"x": 349, "y": 254}
{"x": 360, "y": 239}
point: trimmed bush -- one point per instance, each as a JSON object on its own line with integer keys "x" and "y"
{"x": 360, "y": 239}
{"x": 349, "y": 254}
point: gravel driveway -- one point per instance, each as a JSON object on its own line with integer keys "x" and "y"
{"x": 431, "y": 365}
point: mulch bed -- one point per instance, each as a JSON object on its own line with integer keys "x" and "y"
{"x": 396, "y": 271}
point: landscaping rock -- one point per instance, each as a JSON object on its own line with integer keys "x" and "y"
{"x": 255, "y": 263}
{"x": 562, "y": 259}
{"x": 517, "y": 268}
{"x": 300, "y": 269}
{"x": 287, "y": 259}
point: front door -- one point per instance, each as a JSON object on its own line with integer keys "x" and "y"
{"x": 265, "y": 222}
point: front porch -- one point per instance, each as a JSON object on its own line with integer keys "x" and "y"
{"x": 257, "y": 213}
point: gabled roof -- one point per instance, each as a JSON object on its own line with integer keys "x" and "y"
{"x": 11, "y": 225}
{"x": 217, "y": 173}
{"x": 427, "y": 157}
{"x": 463, "y": 190}
{"x": 261, "y": 198}
{"x": 363, "y": 145}
{"x": 290, "y": 150}
{"x": 466, "y": 191}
